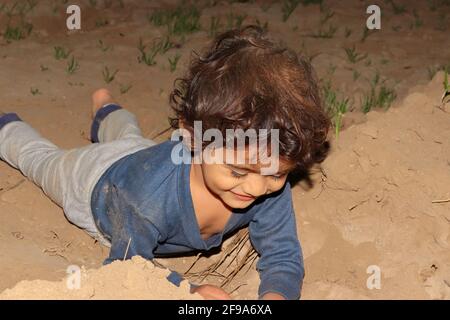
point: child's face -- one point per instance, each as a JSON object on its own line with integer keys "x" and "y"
{"x": 238, "y": 185}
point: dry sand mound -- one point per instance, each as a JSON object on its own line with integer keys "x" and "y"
{"x": 382, "y": 199}
{"x": 133, "y": 279}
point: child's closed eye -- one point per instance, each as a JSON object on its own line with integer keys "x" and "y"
{"x": 237, "y": 175}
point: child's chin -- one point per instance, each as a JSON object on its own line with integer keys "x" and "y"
{"x": 237, "y": 204}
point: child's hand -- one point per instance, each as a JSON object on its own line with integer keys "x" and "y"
{"x": 210, "y": 292}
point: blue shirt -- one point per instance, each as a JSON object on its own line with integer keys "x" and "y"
{"x": 142, "y": 204}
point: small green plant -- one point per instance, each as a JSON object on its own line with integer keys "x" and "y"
{"x": 264, "y": 26}
{"x": 124, "y": 88}
{"x": 164, "y": 44}
{"x": 366, "y": 33}
{"x": 107, "y": 75}
{"x": 356, "y": 75}
{"x": 328, "y": 14}
{"x": 158, "y": 46}
{"x": 354, "y": 56}
{"x": 180, "y": 21}
{"x": 288, "y": 7}
{"x": 306, "y": 54}
{"x": 101, "y": 22}
{"x": 173, "y": 62}
{"x": 93, "y": 3}
{"x": 72, "y": 65}
{"x": 35, "y": 91}
{"x": 417, "y": 21}
{"x": 102, "y": 46}
{"x": 378, "y": 96}
{"x": 18, "y": 32}
{"x": 31, "y": 4}
{"x": 348, "y": 32}
{"x": 334, "y": 106}
{"x": 61, "y": 53}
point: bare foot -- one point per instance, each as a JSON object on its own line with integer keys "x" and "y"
{"x": 99, "y": 98}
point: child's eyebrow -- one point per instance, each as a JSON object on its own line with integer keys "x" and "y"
{"x": 283, "y": 172}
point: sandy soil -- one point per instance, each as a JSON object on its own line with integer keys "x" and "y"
{"x": 373, "y": 202}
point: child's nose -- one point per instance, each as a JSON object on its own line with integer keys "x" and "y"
{"x": 255, "y": 186}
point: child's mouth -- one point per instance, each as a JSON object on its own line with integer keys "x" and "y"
{"x": 242, "y": 197}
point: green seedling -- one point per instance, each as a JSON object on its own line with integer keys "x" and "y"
{"x": 354, "y": 56}
{"x": 93, "y": 3}
{"x": 264, "y": 26}
{"x": 158, "y": 46}
{"x": 173, "y": 62}
{"x": 348, "y": 32}
{"x": 335, "y": 107}
{"x": 107, "y": 75}
{"x": 327, "y": 16}
{"x": 103, "y": 47}
{"x": 101, "y": 22}
{"x": 289, "y": 7}
{"x": 417, "y": 21}
{"x": 180, "y": 21}
{"x": 72, "y": 65}
{"x": 366, "y": 33}
{"x": 379, "y": 96}
{"x": 124, "y": 88}
{"x": 61, "y": 53}
{"x": 19, "y": 32}
{"x": 35, "y": 91}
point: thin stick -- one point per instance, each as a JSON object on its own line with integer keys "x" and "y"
{"x": 440, "y": 201}
{"x": 128, "y": 247}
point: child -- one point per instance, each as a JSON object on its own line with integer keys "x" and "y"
{"x": 132, "y": 195}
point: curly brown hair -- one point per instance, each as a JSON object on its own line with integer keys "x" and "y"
{"x": 247, "y": 81}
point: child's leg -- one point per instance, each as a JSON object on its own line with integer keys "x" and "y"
{"x": 66, "y": 176}
{"x": 111, "y": 122}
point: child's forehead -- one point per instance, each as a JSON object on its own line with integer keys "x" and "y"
{"x": 250, "y": 159}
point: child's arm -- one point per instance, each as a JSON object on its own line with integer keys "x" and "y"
{"x": 273, "y": 233}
